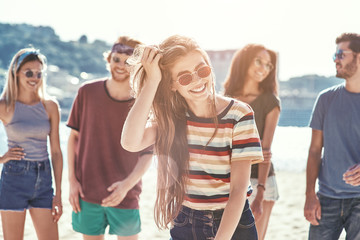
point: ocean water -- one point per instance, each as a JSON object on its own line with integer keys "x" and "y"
{"x": 290, "y": 146}
{"x": 294, "y": 117}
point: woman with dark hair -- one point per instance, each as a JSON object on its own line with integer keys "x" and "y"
{"x": 201, "y": 138}
{"x": 252, "y": 79}
{"x": 30, "y": 117}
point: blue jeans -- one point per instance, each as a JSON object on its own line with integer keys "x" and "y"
{"x": 336, "y": 215}
{"x": 193, "y": 224}
{"x": 26, "y": 184}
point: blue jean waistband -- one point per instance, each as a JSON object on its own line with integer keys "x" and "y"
{"x": 200, "y": 214}
{"x": 37, "y": 165}
{"x": 211, "y": 214}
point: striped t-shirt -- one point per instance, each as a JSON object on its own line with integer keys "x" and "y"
{"x": 237, "y": 139}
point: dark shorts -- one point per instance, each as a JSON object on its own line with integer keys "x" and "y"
{"x": 195, "y": 224}
{"x": 26, "y": 184}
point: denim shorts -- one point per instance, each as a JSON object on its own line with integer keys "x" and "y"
{"x": 26, "y": 184}
{"x": 271, "y": 193}
{"x": 93, "y": 219}
{"x": 193, "y": 224}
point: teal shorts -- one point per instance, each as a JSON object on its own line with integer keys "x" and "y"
{"x": 94, "y": 218}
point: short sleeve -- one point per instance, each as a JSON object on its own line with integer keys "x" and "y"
{"x": 272, "y": 102}
{"x": 317, "y": 116}
{"x": 246, "y": 142}
{"x": 74, "y": 117}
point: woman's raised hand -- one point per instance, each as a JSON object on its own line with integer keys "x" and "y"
{"x": 150, "y": 61}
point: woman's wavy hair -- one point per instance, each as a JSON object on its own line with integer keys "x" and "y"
{"x": 242, "y": 59}
{"x": 169, "y": 112}
{"x": 11, "y": 89}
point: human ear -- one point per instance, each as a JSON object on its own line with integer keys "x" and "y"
{"x": 173, "y": 87}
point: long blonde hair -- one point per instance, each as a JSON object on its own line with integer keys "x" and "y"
{"x": 11, "y": 89}
{"x": 169, "y": 110}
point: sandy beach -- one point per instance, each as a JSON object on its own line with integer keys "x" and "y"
{"x": 287, "y": 221}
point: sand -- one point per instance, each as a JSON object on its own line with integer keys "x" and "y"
{"x": 287, "y": 220}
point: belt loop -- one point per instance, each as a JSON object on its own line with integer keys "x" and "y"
{"x": 191, "y": 215}
{"x": 47, "y": 165}
{"x": 27, "y": 165}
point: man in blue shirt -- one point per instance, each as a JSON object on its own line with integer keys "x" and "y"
{"x": 334, "y": 154}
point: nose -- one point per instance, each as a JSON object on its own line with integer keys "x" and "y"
{"x": 264, "y": 68}
{"x": 34, "y": 77}
{"x": 195, "y": 77}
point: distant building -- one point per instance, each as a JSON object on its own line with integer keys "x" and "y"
{"x": 221, "y": 62}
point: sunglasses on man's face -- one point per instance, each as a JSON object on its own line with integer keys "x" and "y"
{"x": 187, "y": 78}
{"x": 31, "y": 74}
{"x": 339, "y": 54}
{"x": 118, "y": 60}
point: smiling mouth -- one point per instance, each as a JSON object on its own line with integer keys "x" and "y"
{"x": 32, "y": 83}
{"x": 199, "y": 89}
{"x": 260, "y": 73}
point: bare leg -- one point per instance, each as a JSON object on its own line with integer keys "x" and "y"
{"x": 88, "y": 237}
{"x": 44, "y": 224}
{"x": 101, "y": 237}
{"x": 13, "y": 224}
{"x": 262, "y": 223}
{"x": 133, "y": 237}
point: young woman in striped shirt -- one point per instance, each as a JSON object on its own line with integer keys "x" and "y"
{"x": 205, "y": 143}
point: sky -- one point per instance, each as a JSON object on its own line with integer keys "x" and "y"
{"x": 303, "y": 32}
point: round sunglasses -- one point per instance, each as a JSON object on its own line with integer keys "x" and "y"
{"x": 187, "y": 78}
{"x": 30, "y": 74}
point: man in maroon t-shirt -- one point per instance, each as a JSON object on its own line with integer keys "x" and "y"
{"x": 105, "y": 179}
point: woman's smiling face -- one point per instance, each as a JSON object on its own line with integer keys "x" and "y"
{"x": 200, "y": 88}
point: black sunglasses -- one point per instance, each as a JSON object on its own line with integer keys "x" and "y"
{"x": 339, "y": 54}
{"x": 30, "y": 74}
